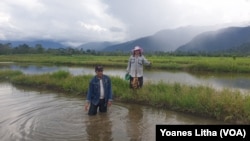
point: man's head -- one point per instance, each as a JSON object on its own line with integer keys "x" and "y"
{"x": 99, "y": 70}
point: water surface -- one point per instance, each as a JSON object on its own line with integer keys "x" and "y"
{"x": 218, "y": 81}
{"x": 31, "y": 115}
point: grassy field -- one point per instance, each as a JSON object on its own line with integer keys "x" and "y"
{"x": 227, "y": 105}
{"x": 187, "y": 63}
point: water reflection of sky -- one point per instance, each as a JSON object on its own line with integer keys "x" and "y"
{"x": 30, "y": 115}
{"x": 237, "y": 82}
{"x": 219, "y": 81}
{"x": 30, "y": 69}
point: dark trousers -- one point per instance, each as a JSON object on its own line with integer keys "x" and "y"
{"x": 102, "y": 105}
{"x": 140, "y": 84}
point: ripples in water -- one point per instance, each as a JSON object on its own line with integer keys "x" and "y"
{"x": 44, "y": 116}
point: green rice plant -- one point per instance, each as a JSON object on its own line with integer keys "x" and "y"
{"x": 77, "y": 84}
{"x": 120, "y": 88}
{"x": 60, "y": 74}
{"x": 7, "y": 74}
{"x": 246, "y": 107}
{"x": 191, "y": 63}
{"x": 231, "y": 105}
{"x": 226, "y": 104}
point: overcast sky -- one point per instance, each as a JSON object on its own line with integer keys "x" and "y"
{"x": 82, "y": 21}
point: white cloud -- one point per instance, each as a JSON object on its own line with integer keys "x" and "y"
{"x": 81, "y": 21}
{"x": 93, "y": 27}
{"x": 4, "y": 18}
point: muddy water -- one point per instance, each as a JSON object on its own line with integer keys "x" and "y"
{"x": 30, "y": 115}
{"x": 233, "y": 81}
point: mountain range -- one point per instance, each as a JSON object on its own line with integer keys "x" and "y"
{"x": 183, "y": 39}
{"x": 164, "y": 40}
{"x": 218, "y": 41}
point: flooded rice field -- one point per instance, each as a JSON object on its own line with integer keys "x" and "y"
{"x": 32, "y": 115}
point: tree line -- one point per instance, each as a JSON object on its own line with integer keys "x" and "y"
{"x": 5, "y": 49}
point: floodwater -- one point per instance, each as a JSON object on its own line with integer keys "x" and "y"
{"x": 32, "y": 115}
{"x": 234, "y": 81}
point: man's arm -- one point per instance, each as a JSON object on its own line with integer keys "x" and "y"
{"x": 88, "y": 98}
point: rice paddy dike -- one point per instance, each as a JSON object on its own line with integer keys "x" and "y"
{"x": 186, "y": 63}
{"x": 226, "y": 105}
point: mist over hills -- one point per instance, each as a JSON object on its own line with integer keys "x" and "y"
{"x": 222, "y": 40}
{"x": 98, "y": 46}
{"x": 165, "y": 40}
{"x": 184, "y": 39}
{"x": 188, "y": 39}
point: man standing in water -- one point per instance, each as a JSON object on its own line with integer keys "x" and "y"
{"x": 99, "y": 92}
{"x": 135, "y": 67}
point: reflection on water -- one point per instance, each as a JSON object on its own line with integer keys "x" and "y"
{"x": 99, "y": 128}
{"x": 218, "y": 81}
{"x": 30, "y": 69}
{"x": 28, "y": 115}
{"x": 134, "y": 122}
{"x": 236, "y": 81}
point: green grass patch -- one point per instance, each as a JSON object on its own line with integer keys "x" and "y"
{"x": 190, "y": 63}
{"x": 227, "y": 105}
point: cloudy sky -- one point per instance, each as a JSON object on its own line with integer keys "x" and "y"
{"x": 82, "y": 21}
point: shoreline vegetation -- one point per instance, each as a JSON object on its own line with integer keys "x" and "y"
{"x": 226, "y": 105}
{"x": 165, "y": 62}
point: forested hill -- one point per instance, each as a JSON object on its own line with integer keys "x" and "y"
{"x": 163, "y": 41}
{"x": 224, "y": 40}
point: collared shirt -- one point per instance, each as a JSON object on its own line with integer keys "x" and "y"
{"x": 94, "y": 90}
{"x": 135, "y": 65}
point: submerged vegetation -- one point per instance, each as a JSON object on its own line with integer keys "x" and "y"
{"x": 227, "y": 105}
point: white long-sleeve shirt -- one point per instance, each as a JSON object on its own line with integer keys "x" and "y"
{"x": 135, "y": 65}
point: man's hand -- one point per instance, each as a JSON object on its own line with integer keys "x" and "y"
{"x": 109, "y": 103}
{"x": 87, "y": 106}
